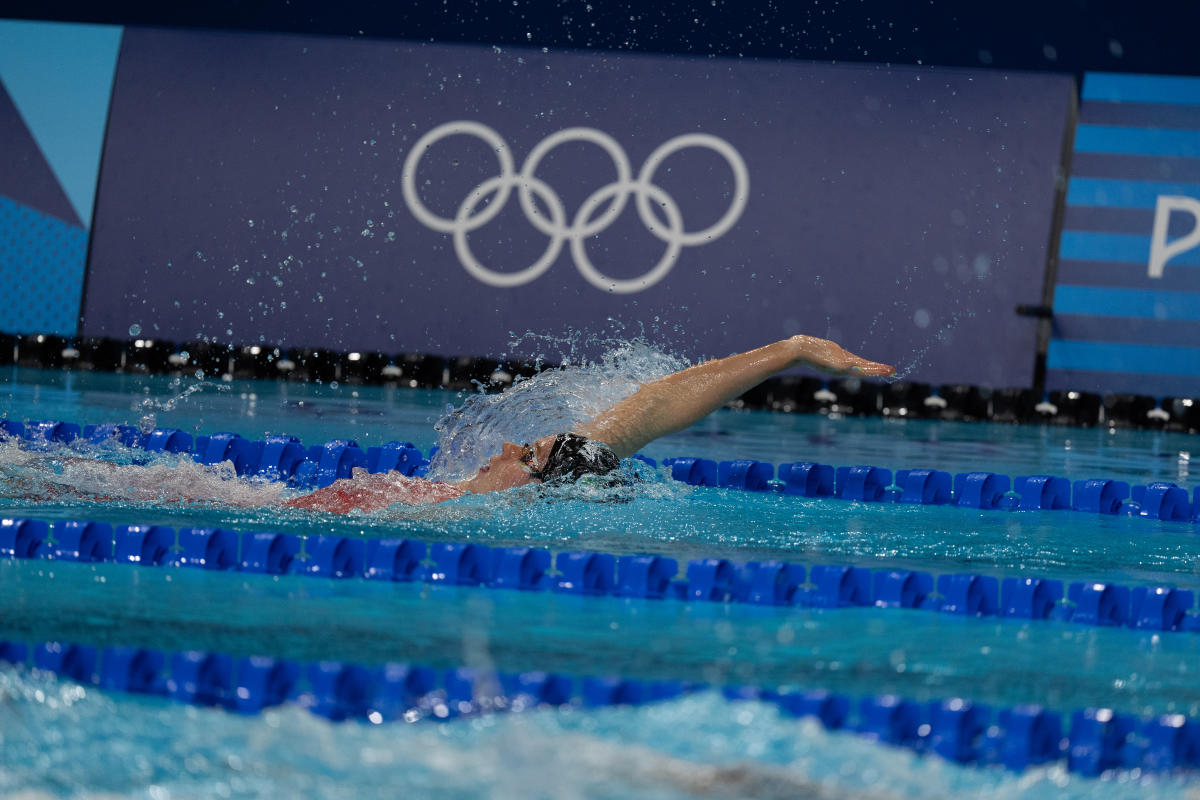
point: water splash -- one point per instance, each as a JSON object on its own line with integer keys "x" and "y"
{"x": 554, "y": 400}
{"x": 179, "y": 393}
{"x": 77, "y": 474}
{"x": 148, "y": 407}
{"x": 964, "y": 290}
{"x": 917, "y": 358}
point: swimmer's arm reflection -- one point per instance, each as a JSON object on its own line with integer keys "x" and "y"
{"x": 658, "y": 408}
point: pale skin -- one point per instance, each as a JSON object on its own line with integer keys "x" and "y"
{"x": 682, "y": 398}
{"x": 658, "y": 408}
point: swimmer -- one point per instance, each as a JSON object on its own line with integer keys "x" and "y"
{"x": 596, "y": 447}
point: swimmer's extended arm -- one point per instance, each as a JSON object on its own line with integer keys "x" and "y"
{"x": 673, "y": 403}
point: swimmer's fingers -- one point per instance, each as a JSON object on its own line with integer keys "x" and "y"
{"x": 872, "y": 369}
{"x": 832, "y": 358}
{"x": 868, "y": 369}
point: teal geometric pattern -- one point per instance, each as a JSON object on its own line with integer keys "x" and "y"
{"x": 41, "y": 271}
{"x": 60, "y": 78}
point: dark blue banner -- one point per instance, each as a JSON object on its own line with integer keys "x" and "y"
{"x": 404, "y": 197}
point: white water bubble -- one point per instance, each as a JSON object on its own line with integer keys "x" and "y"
{"x": 982, "y": 265}
{"x": 147, "y": 423}
{"x": 921, "y": 318}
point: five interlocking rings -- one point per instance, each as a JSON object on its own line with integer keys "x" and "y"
{"x": 527, "y": 184}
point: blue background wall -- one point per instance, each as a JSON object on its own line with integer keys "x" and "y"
{"x": 1118, "y": 327}
{"x": 253, "y": 192}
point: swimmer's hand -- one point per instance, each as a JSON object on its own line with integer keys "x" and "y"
{"x": 831, "y": 358}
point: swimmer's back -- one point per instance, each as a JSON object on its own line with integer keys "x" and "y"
{"x": 375, "y": 493}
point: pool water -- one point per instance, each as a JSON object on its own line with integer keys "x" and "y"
{"x": 61, "y": 739}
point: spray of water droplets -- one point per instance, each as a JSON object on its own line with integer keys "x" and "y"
{"x": 148, "y": 407}
{"x": 554, "y": 400}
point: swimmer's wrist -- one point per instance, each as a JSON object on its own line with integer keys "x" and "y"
{"x": 801, "y": 349}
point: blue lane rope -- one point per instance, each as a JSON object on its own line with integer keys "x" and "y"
{"x": 771, "y": 583}
{"x": 1016, "y": 738}
{"x": 285, "y": 458}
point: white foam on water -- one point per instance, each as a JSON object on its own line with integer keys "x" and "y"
{"x": 79, "y": 474}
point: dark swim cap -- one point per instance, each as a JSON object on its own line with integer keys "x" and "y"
{"x": 574, "y": 456}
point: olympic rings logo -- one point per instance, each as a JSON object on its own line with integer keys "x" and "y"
{"x": 587, "y": 222}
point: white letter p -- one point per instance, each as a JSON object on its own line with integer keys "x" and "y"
{"x": 1160, "y": 250}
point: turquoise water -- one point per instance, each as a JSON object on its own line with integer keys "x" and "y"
{"x": 61, "y": 740}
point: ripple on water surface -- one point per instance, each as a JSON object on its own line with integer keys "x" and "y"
{"x": 58, "y": 739}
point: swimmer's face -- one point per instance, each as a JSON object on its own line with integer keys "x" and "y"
{"x": 507, "y": 468}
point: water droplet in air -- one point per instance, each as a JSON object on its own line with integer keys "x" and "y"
{"x": 135, "y": 329}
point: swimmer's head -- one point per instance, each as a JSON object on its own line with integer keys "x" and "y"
{"x": 571, "y": 457}
{"x": 558, "y": 459}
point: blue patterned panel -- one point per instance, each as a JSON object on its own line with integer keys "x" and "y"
{"x": 59, "y": 77}
{"x": 41, "y": 271}
{"x": 1127, "y": 299}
